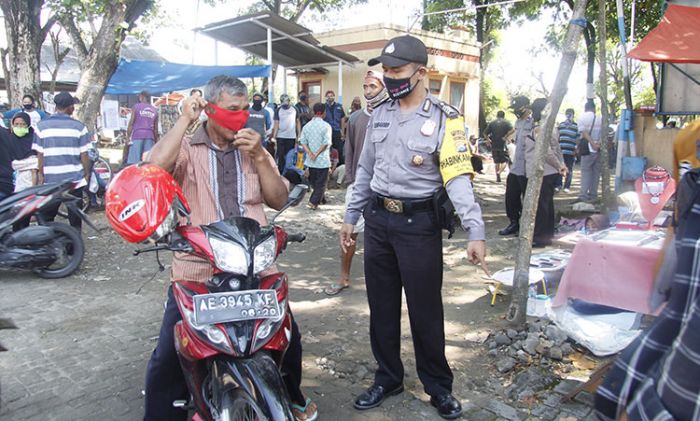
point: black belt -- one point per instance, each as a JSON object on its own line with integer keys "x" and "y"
{"x": 403, "y": 206}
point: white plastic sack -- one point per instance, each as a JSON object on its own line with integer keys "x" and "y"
{"x": 93, "y": 186}
{"x": 603, "y": 335}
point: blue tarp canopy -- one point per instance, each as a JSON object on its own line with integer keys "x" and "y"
{"x": 133, "y": 76}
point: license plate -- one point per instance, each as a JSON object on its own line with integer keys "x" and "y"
{"x": 236, "y": 306}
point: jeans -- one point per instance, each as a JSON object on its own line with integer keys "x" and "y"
{"x": 569, "y": 162}
{"x": 137, "y": 148}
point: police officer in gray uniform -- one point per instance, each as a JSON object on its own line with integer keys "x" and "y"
{"x": 516, "y": 183}
{"x": 397, "y": 177}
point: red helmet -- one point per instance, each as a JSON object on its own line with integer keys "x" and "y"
{"x": 143, "y": 201}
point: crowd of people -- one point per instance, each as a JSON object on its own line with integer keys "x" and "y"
{"x": 407, "y": 163}
{"x": 40, "y": 148}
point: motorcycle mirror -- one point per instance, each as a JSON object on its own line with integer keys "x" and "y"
{"x": 295, "y": 197}
{"x": 297, "y": 194}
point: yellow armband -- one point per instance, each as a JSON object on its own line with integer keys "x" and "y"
{"x": 455, "y": 156}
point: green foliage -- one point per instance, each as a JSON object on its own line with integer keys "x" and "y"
{"x": 493, "y": 99}
{"x": 295, "y": 9}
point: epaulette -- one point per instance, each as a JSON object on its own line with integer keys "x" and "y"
{"x": 448, "y": 109}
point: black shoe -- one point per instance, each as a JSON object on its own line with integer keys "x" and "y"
{"x": 374, "y": 396}
{"x": 447, "y": 406}
{"x": 511, "y": 229}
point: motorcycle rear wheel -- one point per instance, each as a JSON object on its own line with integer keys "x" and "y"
{"x": 71, "y": 250}
{"x": 239, "y": 406}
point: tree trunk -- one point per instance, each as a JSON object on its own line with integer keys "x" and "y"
{"x": 100, "y": 64}
{"x": 480, "y": 21}
{"x": 604, "y": 152}
{"x": 24, "y": 38}
{"x": 517, "y": 308}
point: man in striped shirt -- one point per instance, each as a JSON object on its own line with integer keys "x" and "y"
{"x": 568, "y": 138}
{"x": 62, "y": 143}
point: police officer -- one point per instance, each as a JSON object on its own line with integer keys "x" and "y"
{"x": 414, "y": 145}
{"x": 516, "y": 182}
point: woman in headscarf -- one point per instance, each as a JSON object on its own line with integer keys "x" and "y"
{"x": 25, "y": 162}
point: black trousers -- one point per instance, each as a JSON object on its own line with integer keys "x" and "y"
{"x": 405, "y": 252}
{"x": 283, "y": 146}
{"x": 338, "y": 144}
{"x": 318, "y": 179}
{"x": 49, "y": 212}
{"x": 544, "y": 219}
{"x": 515, "y": 191}
{"x": 165, "y": 381}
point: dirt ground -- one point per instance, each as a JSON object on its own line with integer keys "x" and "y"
{"x": 84, "y": 341}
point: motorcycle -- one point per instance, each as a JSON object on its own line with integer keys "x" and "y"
{"x": 49, "y": 249}
{"x": 236, "y": 327}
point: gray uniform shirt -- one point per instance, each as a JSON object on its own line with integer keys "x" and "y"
{"x": 522, "y": 129}
{"x": 387, "y": 166}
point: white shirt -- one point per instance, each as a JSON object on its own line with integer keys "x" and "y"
{"x": 584, "y": 125}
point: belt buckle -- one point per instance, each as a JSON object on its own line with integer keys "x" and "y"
{"x": 393, "y": 205}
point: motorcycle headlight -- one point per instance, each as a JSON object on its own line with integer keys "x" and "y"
{"x": 210, "y": 332}
{"x": 268, "y": 326}
{"x": 229, "y": 257}
{"x": 264, "y": 254}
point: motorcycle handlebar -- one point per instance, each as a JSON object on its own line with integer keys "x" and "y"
{"x": 296, "y": 238}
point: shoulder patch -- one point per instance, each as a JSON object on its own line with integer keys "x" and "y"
{"x": 448, "y": 109}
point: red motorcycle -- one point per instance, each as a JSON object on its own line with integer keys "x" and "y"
{"x": 236, "y": 327}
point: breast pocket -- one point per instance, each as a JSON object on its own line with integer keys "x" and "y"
{"x": 378, "y": 138}
{"x": 423, "y": 152}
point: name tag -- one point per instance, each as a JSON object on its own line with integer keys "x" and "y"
{"x": 382, "y": 124}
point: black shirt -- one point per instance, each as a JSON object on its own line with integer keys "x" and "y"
{"x": 7, "y": 155}
{"x": 497, "y": 130}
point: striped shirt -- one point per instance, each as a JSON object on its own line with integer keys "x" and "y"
{"x": 568, "y": 134}
{"x": 197, "y": 171}
{"x": 61, "y": 139}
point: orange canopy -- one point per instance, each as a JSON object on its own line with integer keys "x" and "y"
{"x": 676, "y": 39}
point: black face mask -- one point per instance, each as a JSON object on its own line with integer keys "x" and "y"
{"x": 28, "y": 106}
{"x": 257, "y": 104}
{"x": 302, "y": 98}
{"x": 399, "y": 88}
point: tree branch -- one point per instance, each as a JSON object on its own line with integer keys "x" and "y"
{"x": 45, "y": 30}
{"x": 301, "y": 9}
{"x": 76, "y": 39}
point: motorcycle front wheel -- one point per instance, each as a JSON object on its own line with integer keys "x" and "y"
{"x": 239, "y": 406}
{"x": 69, "y": 248}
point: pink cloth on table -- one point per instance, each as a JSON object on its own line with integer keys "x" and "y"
{"x": 609, "y": 274}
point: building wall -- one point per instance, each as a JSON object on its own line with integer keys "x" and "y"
{"x": 453, "y": 59}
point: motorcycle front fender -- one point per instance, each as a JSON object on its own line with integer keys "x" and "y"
{"x": 259, "y": 377}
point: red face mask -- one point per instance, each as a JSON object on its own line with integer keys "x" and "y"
{"x": 232, "y": 120}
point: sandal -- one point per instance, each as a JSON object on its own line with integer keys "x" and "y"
{"x": 308, "y": 412}
{"x": 334, "y": 289}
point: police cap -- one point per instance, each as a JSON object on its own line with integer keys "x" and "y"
{"x": 400, "y": 51}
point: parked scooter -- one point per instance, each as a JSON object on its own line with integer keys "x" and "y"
{"x": 49, "y": 249}
{"x": 236, "y": 327}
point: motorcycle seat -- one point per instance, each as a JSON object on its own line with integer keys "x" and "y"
{"x": 42, "y": 190}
